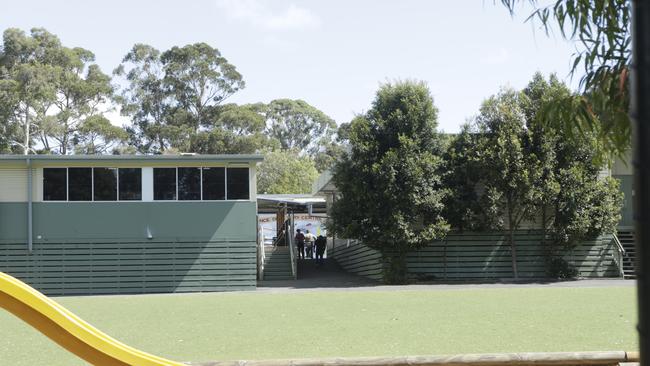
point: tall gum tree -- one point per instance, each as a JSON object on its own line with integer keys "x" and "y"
{"x": 27, "y": 87}
{"x": 51, "y": 88}
{"x": 174, "y": 95}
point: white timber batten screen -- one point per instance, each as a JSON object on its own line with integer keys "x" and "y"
{"x": 147, "y": 184}
{"x": 13, "y": 184}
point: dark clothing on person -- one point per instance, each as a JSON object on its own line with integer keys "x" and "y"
{"x": 300, "y": 243}
{"x": 321, "y": 244}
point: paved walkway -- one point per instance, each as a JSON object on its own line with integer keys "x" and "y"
{"x": 330, "y": 277}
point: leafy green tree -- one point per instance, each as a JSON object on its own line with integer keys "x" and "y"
{"x": 81, "y": 89}
{"x": 329, "y": 154}
{"x": 462, "y": 174}
{"x": 199, "y": 78}
{"x": 236, "y": 129}
{"x": 286, "y": 172}
{"x": 509, "y": 174}
{"x": 26, "y": 85}
{"x": 299, "y": 126}
{"x": 391, "y": 192}
{"x": 97, "y": 135}
{"x": 511, "y": 168}
{"x": 53, "y": 89}
{"x": 146, "y": 100}
{"x": 576, "y": 203}
{"x": 332, "y": 151}
{"x": 8, "y": 131}
{"x": 174, "y": 96}
{"x": 601, "y": 31}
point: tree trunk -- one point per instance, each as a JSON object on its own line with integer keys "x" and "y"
{"x": 27, "y": 131}
{"x": 511, "y": 241}
{"x": 64, "y": 143}
{"x": 394, "y": 267}
{"x": 161, "y": 142}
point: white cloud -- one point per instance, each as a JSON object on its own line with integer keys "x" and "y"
{"x": 259, "y": 14}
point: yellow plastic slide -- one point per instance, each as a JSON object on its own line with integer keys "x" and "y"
{"x": 68, "y": 330}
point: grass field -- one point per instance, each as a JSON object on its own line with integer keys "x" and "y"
{"x": 203, "y": 327}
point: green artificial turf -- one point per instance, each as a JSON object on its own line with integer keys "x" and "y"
{"x": 223, "y": 326}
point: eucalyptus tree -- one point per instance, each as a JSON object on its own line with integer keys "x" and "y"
{"x": 601, "y": 31}
{"x": 51, "y": 89}
{"x": 97, "y": 135}
{"x": 236, "y": 129}
{"x": 391, "y": 193}
{"x": 285, "y": 171}
{"x": 26, "y": 85}
{"x": 82, "y": 90}
{"x": 299, "y": 126}
{"x": 174, "y": 95}
{"x": 199, "y": 79}
{"x": 146, "y": 100}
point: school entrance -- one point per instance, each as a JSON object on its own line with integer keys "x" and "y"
{"x": 279, "y": 218}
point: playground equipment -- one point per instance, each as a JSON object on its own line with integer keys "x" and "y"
{"x": 68, "y": 330}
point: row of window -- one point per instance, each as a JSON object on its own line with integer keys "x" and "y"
{"x": 191, "y": 184}
{"x": 125, "y": 184}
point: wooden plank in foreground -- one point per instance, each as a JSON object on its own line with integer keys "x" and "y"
{"x": 511, "y": 359}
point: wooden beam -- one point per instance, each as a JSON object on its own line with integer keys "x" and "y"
{"x": 511, "y": 359}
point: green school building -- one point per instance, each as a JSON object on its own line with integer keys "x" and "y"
{"x": 129, "y": 224}
{"x": 82, "y": 225}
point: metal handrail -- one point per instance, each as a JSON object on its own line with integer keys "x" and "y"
{"x": 261, "y": 253}
{"x": 621, "y": 253}
{"x": 279, "y": 239}
{"x": 292, "y": 250}
{"x": 618, "y": 244}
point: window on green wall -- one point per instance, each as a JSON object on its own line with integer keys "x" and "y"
{"x": 164, "y": 184}
{"x": 214, "y": 183}
{"x": 130, "y": 183}
{"x": 193, "y": 184}
{"x": 80, "y": 184}
{"x": 189, "y": 184}
{"x": 105, "y": 184}
{"x": 55, "y": 184}
{"x": 238, "y": 188}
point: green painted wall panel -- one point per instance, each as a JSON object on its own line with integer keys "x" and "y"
{"x": 477, "y": 256}
{"x": 102, "y": 248}
{"x": 58, "y": 271}
{"x": 62, "y": 221}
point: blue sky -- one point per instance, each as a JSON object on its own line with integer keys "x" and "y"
{"x": 333, "y": 54}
